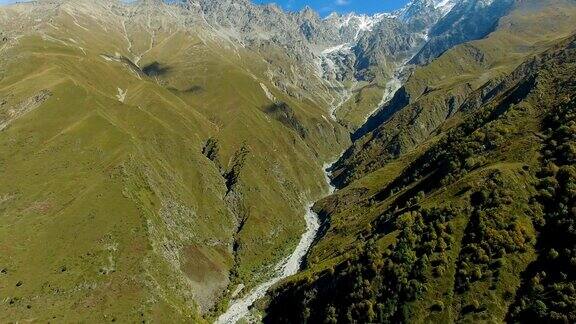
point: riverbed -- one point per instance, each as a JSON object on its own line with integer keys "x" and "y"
{"x": 240, "y": 308}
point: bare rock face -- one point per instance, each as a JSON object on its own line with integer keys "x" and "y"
{"x": 9, "y": 113}
{"x": 468, "y": 20}
{"x": 323, "y": 59}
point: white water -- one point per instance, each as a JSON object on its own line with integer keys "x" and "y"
{"x": 394, "y": 84}
{"x": 239, "y": 308}
{"x": 390, "y": 89}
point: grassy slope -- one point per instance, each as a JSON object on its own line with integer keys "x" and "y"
{"x": 109, "y": 208}
{"x": 437, "y": 91}
{"x": 364, "y": 214}
{"x": 506, "y": 167}
{"x": 364, "y": 99}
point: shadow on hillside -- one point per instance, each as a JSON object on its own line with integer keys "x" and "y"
{"x": 155, "y": 69}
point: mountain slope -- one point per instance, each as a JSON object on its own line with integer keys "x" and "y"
{"x": 438, "y": 91}
{"x": 444, "y": 235}
{"x": 157, "y": 159}
{"x": 448, "y": 195}
{"x": 110, "y": 189}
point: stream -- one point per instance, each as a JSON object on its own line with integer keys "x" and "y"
{"x": 239, "y": 308}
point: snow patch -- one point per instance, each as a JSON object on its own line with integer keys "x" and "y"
{"x": 445, "y": 6}
{"x": 338, "y": 48}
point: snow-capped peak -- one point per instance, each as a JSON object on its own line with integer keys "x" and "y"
{"x": 444, "y": 6}
{"x": 363, "y": 22}
{"x": 358, "y": 23}
{"x": 418, "y": 8}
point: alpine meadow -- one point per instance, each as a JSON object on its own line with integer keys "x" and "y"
{"x": 222, "y": 161}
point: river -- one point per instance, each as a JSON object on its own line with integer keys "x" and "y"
{"x": 239, "y": 308}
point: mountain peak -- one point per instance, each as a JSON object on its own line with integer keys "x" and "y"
{"x": 308, "y": 13}
{"x": 416, "y": 9}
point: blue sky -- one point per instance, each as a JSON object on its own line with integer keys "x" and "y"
{"x": 343, "y": 6}
{"x": 9, "y": 1}
{"x": 327, "y": 6}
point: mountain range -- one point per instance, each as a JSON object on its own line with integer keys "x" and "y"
{"x": 157, "y": 158}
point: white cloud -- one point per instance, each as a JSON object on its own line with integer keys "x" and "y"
{"x": 342, "y": 2}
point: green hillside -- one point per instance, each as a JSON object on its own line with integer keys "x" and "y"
{"x": 158, "y": 161}
{"x": 449, "y": 237}
{"x": 113, "y": 205}
{"x": 462, "y": 215}
{"x": 434, "y": 94}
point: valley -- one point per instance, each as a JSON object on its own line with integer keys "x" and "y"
{"x": 443, "y": 227}
{"x": 218, "y": 161}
